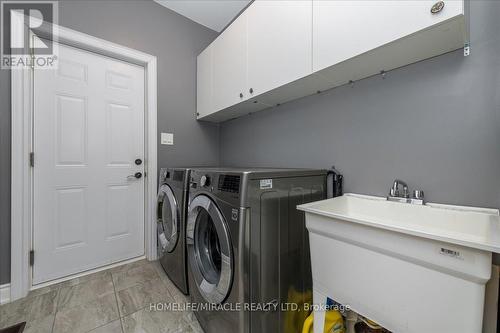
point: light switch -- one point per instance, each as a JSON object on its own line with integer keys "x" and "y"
{"x": 167, "y": 138}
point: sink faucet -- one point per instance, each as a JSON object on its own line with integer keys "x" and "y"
{"x": 394, "y": 192}
{"x": 396, "y": 195}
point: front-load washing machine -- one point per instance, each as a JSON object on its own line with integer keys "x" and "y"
{"x": 248, "y": 248}
{"x": 171, "y": 224}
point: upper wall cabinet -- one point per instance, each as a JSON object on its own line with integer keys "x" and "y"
{"x": 280, "y": 50}
{"x": 345, "y": 29}
{"x": 266, "y": 47}
{"x": 204, "y": 83}
{"x": 279, "y": 41}
{"x": 229, "y": 65}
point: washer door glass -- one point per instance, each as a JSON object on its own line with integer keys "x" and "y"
{"x": 209, "y": 249}
{"x": 167, "y": 213}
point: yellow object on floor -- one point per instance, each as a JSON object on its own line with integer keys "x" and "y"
{"x": 294, "y": 318}
{"x": 333, "y": 323}
{"x": 370, "y": 323}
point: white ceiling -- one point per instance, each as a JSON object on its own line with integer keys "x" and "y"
{"x": 214, "y": 14}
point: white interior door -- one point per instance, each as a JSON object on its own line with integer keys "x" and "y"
{"x": 88, "y": 132}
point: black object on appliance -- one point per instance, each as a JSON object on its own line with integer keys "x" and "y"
{"x": 334, "y": 183}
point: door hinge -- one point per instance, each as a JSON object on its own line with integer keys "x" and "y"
{"x": 32, "y": 159}
{"x": 32, "y": 52}
{"x": 145, "y": 174}
{"x": 32, "y": 257}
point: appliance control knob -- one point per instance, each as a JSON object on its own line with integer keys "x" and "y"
{"x": 204, "y": 180}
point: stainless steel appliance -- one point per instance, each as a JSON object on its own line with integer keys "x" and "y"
{"x": 248, "y": 250}
{"x": 171, "y": 224}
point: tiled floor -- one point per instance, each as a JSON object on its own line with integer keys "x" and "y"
{"x": 112, "y": 301}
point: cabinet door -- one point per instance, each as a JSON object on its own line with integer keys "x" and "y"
{"x": 279, "y": 43}
{"x": 204, "y": 83}
{"x": 345, "y": 29}
{"x": 229, "y": 65}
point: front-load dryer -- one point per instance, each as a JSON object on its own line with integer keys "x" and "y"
{"x": 171, "y": 224}
{"x": 248, "y": 247}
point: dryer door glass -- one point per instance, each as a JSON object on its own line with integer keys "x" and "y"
{"x": 209, "y": 249}
{"x": 167, "y": 217}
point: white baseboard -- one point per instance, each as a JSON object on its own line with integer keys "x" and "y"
{"x": 5, "y": 293}
{"x": 95, "y": 270}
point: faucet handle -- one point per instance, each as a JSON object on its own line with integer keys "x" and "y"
{"x": 418, "y": 194}
{"x": 406, "y": 192}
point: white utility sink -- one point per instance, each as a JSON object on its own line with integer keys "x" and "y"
{"x": 410, "y": 268}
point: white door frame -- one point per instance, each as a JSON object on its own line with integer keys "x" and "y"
{"x": 22, "y": 143}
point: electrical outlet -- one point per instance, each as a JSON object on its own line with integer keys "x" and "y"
{"x": 167, "y": 138}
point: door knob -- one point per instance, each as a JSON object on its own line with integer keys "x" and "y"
{"x": 251, "y": 90}
{"x": 136, "y": 175}
{"x": 138, "y": 161}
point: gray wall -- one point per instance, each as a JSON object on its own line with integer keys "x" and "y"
{"x": 151, "y": 28}
{"x": 435, "y": 124}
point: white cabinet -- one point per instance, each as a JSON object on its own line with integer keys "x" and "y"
{"x": 345, "y": 29}
{"x": 280, "y": 50}
{"x": 353, "y": 40}
{"x": 204, "y": 82}
{"x": 266, "y": 47}
{"x": 279, "y": 39}
{"x": 229, "y": 65}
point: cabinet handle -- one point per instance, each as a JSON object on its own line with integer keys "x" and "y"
{"x": 241, "y": 95}
{"x": 437, "y": 7}
{"x": 251, "y": 90}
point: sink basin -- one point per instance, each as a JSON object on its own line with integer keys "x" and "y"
{"x": 410, "y": 268}
{"x": 473, "y": 227}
